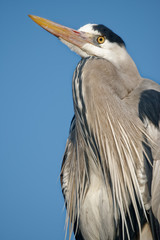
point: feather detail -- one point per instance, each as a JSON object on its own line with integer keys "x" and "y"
{"x": 107, "y": 146}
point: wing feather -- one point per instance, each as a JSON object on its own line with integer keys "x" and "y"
{"x": 149, "y": 113}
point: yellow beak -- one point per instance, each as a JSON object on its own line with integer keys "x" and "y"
{"x": 77, "y": 38}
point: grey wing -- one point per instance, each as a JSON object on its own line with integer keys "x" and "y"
{"x": 156, "y": 189}
{"x": 149, "y": 113}
{"x": 67, "y": 174}
{"x": 67, "y": 161}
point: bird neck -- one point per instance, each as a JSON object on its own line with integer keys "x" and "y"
{"x": 127, "y": 71}
{"x": 106, "y": 129}
{"x": 120, "y": 58}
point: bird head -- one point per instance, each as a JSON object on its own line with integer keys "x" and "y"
{"x": 89, "y": 40}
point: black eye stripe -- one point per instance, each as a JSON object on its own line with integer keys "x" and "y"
{"x": 108, "y": 34}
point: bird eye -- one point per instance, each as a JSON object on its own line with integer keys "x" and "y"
{"x": 100, "y": 39}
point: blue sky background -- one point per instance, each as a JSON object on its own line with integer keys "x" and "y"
{"x": 36, "y": 101}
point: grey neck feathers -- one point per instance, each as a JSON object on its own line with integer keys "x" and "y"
{"x": 106, "y": 128}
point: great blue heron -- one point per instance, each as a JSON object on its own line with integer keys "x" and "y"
{"x": 110, "y": 173}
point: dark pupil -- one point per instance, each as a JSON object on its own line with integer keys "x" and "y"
{"x": 100, "y": 39}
